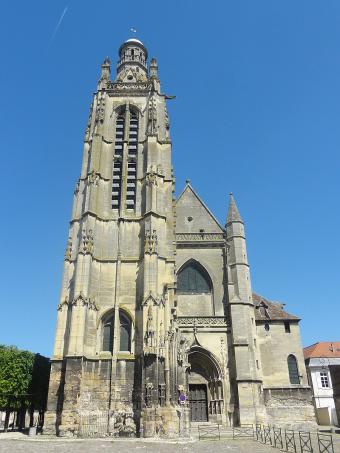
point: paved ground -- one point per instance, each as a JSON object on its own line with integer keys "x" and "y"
{"x": 130, "y": 446}
{"x": 22, "y": 444}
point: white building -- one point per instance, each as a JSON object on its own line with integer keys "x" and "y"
{"x": 318, "y": 358}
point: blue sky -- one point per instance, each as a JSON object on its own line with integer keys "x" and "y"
{"x": 257, "y": 112}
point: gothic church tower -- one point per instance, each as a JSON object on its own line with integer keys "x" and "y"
{"x": 157, "y": 323}
{"x": 114, "y": 316}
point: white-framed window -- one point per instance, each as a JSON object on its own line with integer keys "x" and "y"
{"x": 324, "y": 381}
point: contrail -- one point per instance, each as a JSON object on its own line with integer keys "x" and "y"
{"x": 59, "y": 22}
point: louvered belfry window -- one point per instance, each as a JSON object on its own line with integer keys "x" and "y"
{"x": 132, "y": 162}
{"x": 293, "y": 371}
{"x": 118, "y": 162}
{"x": 193, "y": 279}
{"x": 125, "y": 165}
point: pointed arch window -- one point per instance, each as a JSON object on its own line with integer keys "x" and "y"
{"x": 108, "y": 334}
{"x": 193, "y": 279}
{"x": 124, "y": 333}
{"x": 293, "y": 370}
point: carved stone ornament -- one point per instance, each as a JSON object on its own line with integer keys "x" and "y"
{"x": 86, "y": 245}
{"x": 136, "y": 76}
{"x": 88, "y": 127}
{"x": 139, "y": 87}
{"x": 63, "y": 303}
{"x": 151, "y": 178}
{"x": 82, "y": 301}
{"x": 151, "y": 242}
{"x": 93, "y": 178}
{"x": 68, "y": 251}
{"x": 182, "y": 352}
{"x": 154, "y": 300}
{"x": 152, "y": 117}
{"x": 148, "y": 394}
{"x": 76, "y": 190}
{"x": 100, "y": 111}
{"x": 205, "y": 321}
{"x": 166, "y": 116}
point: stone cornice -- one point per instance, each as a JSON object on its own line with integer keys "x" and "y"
{"x": 203, "y": 321}
{"x": 125, "y": 259}
{"x": 111, "y": 219}
{"x": 236, "y": 263}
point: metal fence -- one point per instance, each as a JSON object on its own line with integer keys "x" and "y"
{"x": 211, "y": 432}
{"x": 290, "y": 441}
{"x": 287, "y": 440}
{"x": 305, "y": 442}
{"x": 243, "y": 431}
{"x": 325, "y": 443}
{"x": 277, "y": 438}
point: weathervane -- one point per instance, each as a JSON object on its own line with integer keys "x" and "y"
{"x": 133, "y": 30}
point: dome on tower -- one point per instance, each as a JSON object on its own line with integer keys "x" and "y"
{"x": 132, "y": 40}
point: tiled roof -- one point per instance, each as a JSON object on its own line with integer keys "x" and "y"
{"x": 266, "y": 310}
{"x": 322, "y": 349}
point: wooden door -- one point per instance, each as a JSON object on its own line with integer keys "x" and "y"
{"x": 198, "y": 402}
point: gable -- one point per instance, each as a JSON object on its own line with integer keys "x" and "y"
{"x": 193, "y": 215}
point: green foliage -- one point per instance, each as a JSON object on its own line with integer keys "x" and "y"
{"x": 23, "y": 378}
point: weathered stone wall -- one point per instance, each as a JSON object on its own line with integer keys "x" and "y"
{"x": 289, "y": 407}
{"x": 275, "y": 345}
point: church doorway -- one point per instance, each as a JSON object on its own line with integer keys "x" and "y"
{"x": 205, "y": 386}
{"x": 198, "y": 402}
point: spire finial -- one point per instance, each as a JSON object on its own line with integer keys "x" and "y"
{"x": 233, "y": 214}
{"x": 187, "y": 182}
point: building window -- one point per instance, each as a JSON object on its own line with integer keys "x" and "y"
{"x": 266, "y": 326}
{"x": 124, "y": 333}
{"x": 324, "y": 380}
{"x": 126, "y": 127}
{"x": 287, "y": 326}
{"x": 108, "y": 334}
{"x": 193, "y": 279}
{"x": 293, "y": 371}
{"x": 132, "y": 162}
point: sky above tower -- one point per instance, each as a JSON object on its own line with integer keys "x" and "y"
{"x": 256, "y": 113}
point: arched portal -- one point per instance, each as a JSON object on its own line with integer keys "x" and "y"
{"x": 205, "y": 386}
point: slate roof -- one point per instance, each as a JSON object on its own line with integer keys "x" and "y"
{"x": 322, "y": 349}
{"x": 266, "y": 310}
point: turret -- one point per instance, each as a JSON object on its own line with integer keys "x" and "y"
{"x": 241, "y": 310}
{"x": 132, "y": 65}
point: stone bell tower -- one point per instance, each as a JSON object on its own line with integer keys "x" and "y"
{"x": 114, "y": 338}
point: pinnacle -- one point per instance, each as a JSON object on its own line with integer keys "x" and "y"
{"x": 233, "y": 214}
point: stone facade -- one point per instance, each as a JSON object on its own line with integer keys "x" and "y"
{"x": 157, "y": 323}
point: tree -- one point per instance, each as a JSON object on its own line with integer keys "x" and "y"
{"x": 23, "y": 380}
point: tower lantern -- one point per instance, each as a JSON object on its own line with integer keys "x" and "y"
{"x": 133, "y": 56}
